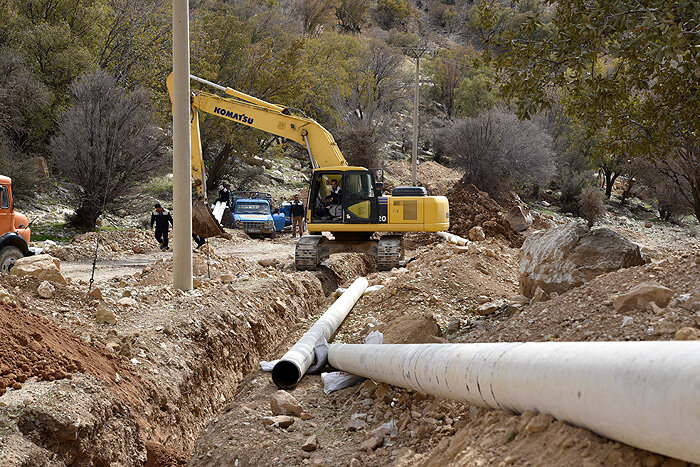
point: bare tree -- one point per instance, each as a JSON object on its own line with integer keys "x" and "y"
{"x": 376, "y": 93}
{"x": 498, "y": 152}
{"x": 682, "y": 169}
{"x": 106, "y": 144}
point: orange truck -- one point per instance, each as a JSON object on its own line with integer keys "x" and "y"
{"x": 14, "y": 229}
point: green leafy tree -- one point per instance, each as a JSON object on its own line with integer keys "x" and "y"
{"x": 256, "y": 51}
{"x": 352, "y": 14}
{"x": 626, "y": 66}
{"x": 392, "y": 13}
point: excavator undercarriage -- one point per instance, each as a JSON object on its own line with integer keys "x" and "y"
{"x": 312, "y": 250}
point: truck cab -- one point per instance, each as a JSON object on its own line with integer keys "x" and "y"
{"x": 14, "y": 228}
{"x": 252, "y": 212}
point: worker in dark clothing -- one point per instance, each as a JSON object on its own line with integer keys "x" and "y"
{"x": 297, "y": 216}
{"x": 333, "y": 201}
{"x": 200, "y": 241}
{"x": 162, "y": 220}
{"x": 225, "y": 194}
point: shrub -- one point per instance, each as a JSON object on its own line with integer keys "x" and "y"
{"x": 497, "y": 152}
{"x": 393, "y": 12}
{"x": 592, "y": 204}
{"x": 160, "y": 188}
{"x": 571, "y": 188}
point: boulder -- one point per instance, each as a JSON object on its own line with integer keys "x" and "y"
{"x": 126, "y": 301}
{"x": 687, "y": 334}
{"x": 567, "y": 256}
{"x": 519, "y": 218}
{"x": 641, "y": 296}
{"x": 476, "y": 234}
{"x": 104, "y": 315}
{"x": 311, "y": 443}
{"x": 46, "y": 290}
{"x": 490, "y": 307}
{"x": 282, "y": 421}
{"x": 283, "y": 403}
{"x": 96, "y": 293}
{"x": 44, "y": 267}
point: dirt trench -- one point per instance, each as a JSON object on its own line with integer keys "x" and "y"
{"x": 156, "y": 378}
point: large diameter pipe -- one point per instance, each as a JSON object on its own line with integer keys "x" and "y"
{"x": 289, "y": 370}
{"x": 452, "y": 238}
{"x": 182, "y": 169}
{"x": 645, "y": 394}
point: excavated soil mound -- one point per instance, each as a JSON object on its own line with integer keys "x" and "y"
{"x": 436, "y": 178}
{"x": 31, "y": 346}
{"x": 412, "y": 329}
{"x": 113, "y": 244}
{"x": 587, "y": 313}
{"x": 470, "y": 207}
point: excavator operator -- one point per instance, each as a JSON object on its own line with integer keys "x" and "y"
{"x": 333, "y": 200}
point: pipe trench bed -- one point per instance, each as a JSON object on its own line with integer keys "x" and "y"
{"x": 294, "y": 364}
{"x": 645, "y": 394}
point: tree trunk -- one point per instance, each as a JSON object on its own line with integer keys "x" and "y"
{"x": 627, "y": 191}
{"x": 610, "y": 178}
{"x": 85, "y": 216}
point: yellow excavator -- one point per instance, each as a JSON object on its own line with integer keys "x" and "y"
{"x": 345, "y": 201}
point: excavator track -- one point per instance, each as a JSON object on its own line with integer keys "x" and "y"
{"x": 390, "y": 252}
{"x": 306, "y": 254}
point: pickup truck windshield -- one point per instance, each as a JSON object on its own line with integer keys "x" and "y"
{"x": 251, "y": 208}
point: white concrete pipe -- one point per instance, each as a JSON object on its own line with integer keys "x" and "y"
{"x": 645, "y": 394}
{"x": 452, "y": 238}
{"x": 289, "y": 370}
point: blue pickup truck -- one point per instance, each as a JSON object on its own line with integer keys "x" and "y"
{"x": 252, "y": 212}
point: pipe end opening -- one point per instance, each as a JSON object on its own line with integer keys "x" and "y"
{"x": 285, "y": 375}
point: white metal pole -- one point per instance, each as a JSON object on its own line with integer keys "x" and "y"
{"x": 182, "y": 165}
{"x": 289, "y": 370}
{"x": 645, "y": 394}
{"x": 416, "y": 103}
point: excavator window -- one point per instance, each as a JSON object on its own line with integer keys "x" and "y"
{"x": 359, "y": 195}
{"x": 326, "y": 208}
{"x": 4, "y": 198}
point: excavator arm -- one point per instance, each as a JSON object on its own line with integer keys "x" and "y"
{"x": 256, "y": 113}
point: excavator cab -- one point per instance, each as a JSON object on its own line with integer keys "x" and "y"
{"x": 344, "y": 195}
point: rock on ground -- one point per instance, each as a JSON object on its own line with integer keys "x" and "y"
{"x": 43, "y": 267}
{"x": 283, "y": 403}
{"x": 46, "y": 289}
{"x": 567, "y": 256}
{"x": 103, "y": 315}
{"x": 641, "y": 296}
{"x": 519, "y": 218}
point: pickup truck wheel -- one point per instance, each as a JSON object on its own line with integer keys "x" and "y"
{"x": 8, "y": 256}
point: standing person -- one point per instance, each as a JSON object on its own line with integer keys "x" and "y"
{"x": 225, "y": 194}
{"x": 163, "y": 220}
{"x": 297, "y": 213}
